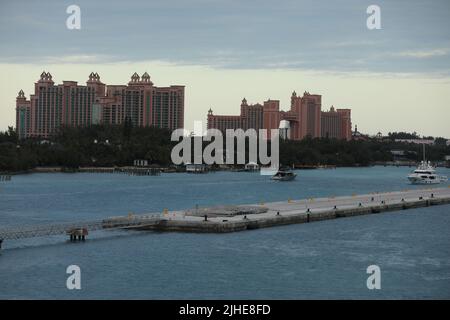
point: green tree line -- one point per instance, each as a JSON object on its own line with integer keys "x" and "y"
{"x": 107, "y": 146}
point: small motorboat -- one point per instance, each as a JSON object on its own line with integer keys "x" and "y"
{"x": 284, "y": 175}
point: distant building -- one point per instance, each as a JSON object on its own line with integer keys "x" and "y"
{"x": 254, "y": 116}
{"x": 140, "y": 163}
{"x": 70, "y": 104}
{"x": 23, "y": 115}
{"x": 416, "y": 141}
{"x": 251, "y": 166}
{"x": 398, "y": 155}
{"x": 356, "y": 135}
{"x": 336, "y": 124}
{"x": 285, "y": 130}
{"x": 196, "y": 168}
{"x": 304, "y": 118}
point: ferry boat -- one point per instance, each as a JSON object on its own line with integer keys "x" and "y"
{"x": 284, "y": 175}
{"x": 425, "y": 173}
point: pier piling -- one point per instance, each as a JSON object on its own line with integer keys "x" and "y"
{"x": 77, "y": 234}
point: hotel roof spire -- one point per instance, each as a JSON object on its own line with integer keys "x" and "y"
{"x": 146, "y": 78}
{"x": 45, "y": 77}
{"x": 94, "y": 77}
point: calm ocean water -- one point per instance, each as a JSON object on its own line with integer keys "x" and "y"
{"x": 319, "y": 260}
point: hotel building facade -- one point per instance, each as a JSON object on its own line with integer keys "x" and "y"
{"x": 305, "y": 118}
{"x": 70, "y": 104}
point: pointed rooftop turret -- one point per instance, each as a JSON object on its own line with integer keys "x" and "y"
{"x": 135, "y": 76}
{"x": 146, "y": 78}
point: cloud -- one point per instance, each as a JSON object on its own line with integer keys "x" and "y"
{"x": 64, "y": 59}
{"x": 350, "y": 44}
{"x": 297, "y": 35}
{"x": 424, "y": 54}
{"x": 84, "y": 58}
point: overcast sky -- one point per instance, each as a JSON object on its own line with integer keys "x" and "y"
{"x": 396, "y": 78}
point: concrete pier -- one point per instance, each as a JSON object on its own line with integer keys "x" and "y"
{"x": 298, "y": 211}
{"x": 231, "y": 218}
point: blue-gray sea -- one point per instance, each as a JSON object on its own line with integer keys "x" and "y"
{"x": 319, "y": 260}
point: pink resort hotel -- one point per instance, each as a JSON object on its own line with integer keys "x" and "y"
{"x": 71, "y": 104}
{"x": 305, "y": 118}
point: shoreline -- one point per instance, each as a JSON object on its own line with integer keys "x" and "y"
{"x": 59, "y": 169}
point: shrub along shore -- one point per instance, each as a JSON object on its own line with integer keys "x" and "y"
{"x": 118, "y": 146}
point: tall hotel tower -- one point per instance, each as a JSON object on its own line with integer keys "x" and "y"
{"x": 70, "y": 104}
{"x": 305, "y": 117}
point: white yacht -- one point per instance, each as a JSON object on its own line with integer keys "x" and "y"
{"x": 425, "y": 173}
